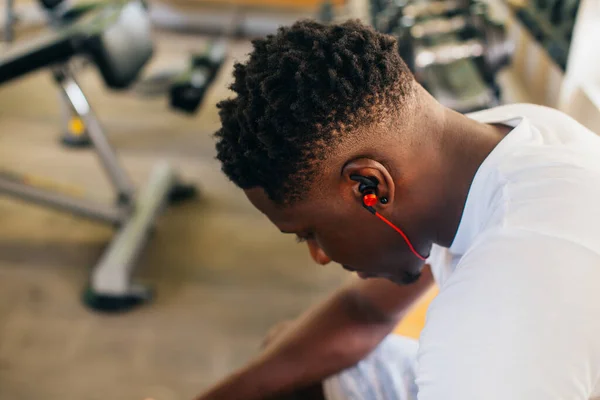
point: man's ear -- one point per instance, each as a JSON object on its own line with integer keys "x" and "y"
{"x": 373, "y": 170}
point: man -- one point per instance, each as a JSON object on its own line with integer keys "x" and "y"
{"x": 504, "y": 204}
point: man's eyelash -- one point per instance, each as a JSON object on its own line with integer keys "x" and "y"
{"x": 301, "y": 239}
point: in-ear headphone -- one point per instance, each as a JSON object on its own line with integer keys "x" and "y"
{"x": 368, "y": 188}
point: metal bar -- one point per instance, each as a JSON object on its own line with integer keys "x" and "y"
{"x": 42, "y": 51}
{"x": 9, "y": 21}
{"x": 112, "y": 274}
{"x": 438, "y": 26}
{"x": 432, "y": 8}
{"x": 43, "y": 197}
{"x": 108, "y": 157}
{"x": 448, "y": 53}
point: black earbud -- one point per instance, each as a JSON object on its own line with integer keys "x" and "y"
{"x": 368, "y": 188}
{"x": 366, "y": 183}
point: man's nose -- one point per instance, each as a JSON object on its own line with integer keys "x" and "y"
{"x": 317, "y": 253}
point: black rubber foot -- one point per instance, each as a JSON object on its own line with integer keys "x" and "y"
{"x": 76, "y": 142}
{"x": 182, "y": 192}
{"x": 115, "y": 304}
{"x": 124, "y": 200}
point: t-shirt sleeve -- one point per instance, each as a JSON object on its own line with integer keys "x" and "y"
{"x": 519, "y": 319}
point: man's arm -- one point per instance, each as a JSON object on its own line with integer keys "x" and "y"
{"x": 328, "y": 338}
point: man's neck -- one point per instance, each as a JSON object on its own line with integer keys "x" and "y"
{"x": 466, "y": 144}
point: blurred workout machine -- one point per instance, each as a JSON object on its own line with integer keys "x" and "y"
{"x": 116, "y": 38}
{"x": 453, "y": 47}
{"x": 60, "y": 14}
{"x": 189, "y": 86}
{"x": 185, "y": 89}
{"x": 9, "y": 21}
{"x": 551, "y": 23}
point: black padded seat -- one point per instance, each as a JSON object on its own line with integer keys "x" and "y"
{"x": 116, "y": 37}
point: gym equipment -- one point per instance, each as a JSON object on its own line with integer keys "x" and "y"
{"x": 442, "y": 41}
{"x": 9, "y": 20}
{"x": 62, "y": 13}
{"x": 551, "y": 23}
{"x": 393, "y": 11}
{"x": 186, "y": 88}
{"x": 454, "y": 49}
{"x": 189, "y": 87}
{"x": 115, "y": 38}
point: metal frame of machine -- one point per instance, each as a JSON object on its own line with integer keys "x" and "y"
{"x": 453, "y": 47}
{"x": 134, "y": 212}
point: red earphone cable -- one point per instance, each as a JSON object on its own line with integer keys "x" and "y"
{"x": 410, "y": 246}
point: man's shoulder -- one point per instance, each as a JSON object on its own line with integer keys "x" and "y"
{"x": 525, "y": 252}
{"x": 508, "y": 268}
{"x": 509, "y": 111}
{"x": 521, "y": 307}
{"x": 551, "y": 126}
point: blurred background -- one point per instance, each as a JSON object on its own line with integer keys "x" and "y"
{"x": 129, "y": 266}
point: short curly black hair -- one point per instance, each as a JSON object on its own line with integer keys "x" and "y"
{"x": 301, "y": 93}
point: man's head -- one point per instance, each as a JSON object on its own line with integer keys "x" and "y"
{"x": 315, "y": 105}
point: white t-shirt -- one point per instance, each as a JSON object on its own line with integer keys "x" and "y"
{"x": 518, "y": 313}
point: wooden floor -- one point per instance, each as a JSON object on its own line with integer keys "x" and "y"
{"x": 223, "y": 274}
{"x": 413, "y": 323}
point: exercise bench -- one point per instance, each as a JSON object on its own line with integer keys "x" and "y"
{"x": 116, "y": 38}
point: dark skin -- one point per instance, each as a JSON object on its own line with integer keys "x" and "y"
{"x": 326, "y": 339}
{"x": 425, "y": 163}
{"x": 425, "y": 173}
